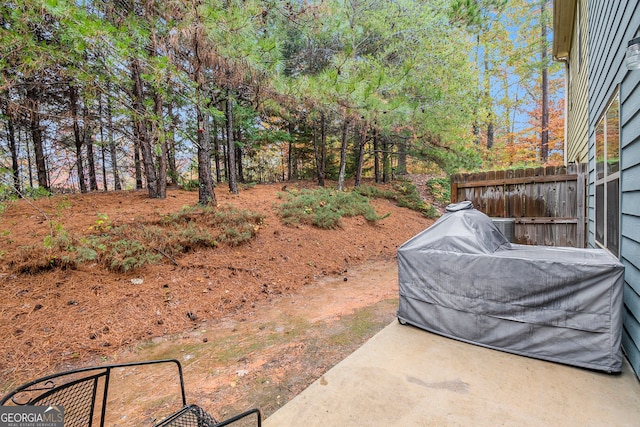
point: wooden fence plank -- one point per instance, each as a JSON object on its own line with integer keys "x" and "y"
{"x": 547, "y": 203}
{"x": 581, "y": 208}
{"x": 518, "y": 180}
{"x": 502, "y": 201}
{"x": 543, "y": 220}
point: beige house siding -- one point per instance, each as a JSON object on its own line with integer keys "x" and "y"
{"x": 577, "y": 122}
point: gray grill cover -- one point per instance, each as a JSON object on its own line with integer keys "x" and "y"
{"x": 461, "y": 278}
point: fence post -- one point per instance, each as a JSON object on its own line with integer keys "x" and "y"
{"x": 454, "y": 192}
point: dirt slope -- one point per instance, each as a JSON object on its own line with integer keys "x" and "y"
{"x": 87, "y": 315}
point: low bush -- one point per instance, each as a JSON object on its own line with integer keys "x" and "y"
{"x": 190, "y": 184}
{"x": 324, "y": 208}
{"x": 440, "y": 189}
{"x": 129, "y": 246}
{"x": 124, "y": 255}
{"x": 409, "y": 197}
{"x": 405, "y": 194}
{"x": 375, "y": 192}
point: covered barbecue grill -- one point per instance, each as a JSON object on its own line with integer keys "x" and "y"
{"x": 461, "y": 278}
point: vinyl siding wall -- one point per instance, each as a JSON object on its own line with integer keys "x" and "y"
{"x": 577, "y": 119}
{"x": 606, "y": 72}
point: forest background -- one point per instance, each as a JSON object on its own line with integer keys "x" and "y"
{"x": 109, "y": 95}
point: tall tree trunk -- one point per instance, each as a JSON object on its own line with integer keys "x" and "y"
{"x": 402, "y": 157}
{"x": 171, "y": 145}
{"x": 487, "y": 97}
{"x": 73, "y": 99}
{"x": 343, "y": 155}
{"x": 29, "y": 163}
{"x": 323, "y": 150}
{"x": 103, "y": 146}
{"x": 223, "y": 154}
{"x": 239, "y": 158}
{"x": 103, "y": 163}
{"x": 225, "y": 158}
{"x": 87, "y": 137}
{"x": 93, "y": 179}
{"x": 295, "y": 166}
{"x": 233, "y": 183}
{"x": 13, "y": 147}
{"x": 239, "y": 167}
{"x": 386, "y": 161}
{"x": 544, "y": 136}
{"x": 216, "y": 152}
{"x": 206, "y": 194}
{"x": 316, "y": 153}
{"x": 112, "y": 143}
{"x": 137, "y": 161}
{"x": 160, "y": 139}
{"x": 283, "y": 160}
{"x": 476, "y": 111}
{"x": 141, "y": 126}
{"x": 290, "y": 154}
{"x": 376, "y": 154}
{"x": 490, "y": 133}
{"x": 363, "y": 141}
{"x": 476, "y": 133}
{"x": 512, "y": 130}
{"x": 510, "y": 107}
{"x": 33, "y": 104}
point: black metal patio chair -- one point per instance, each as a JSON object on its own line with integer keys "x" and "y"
{"x": 84, "y": 396}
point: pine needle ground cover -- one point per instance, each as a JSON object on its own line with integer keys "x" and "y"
{"x": 86, "y": 309}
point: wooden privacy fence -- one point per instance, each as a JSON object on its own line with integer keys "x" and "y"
{"x": 547, "y": 204}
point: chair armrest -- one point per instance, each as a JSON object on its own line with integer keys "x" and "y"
{"x": 193, "y": 415}
{"x": 241, "y": 416}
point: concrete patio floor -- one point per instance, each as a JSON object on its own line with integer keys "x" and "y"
{"x": 404, "y": 376}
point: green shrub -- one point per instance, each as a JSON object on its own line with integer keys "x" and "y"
{"x": 440, "y": 189}
{"x": 85, "y": 254}
{"x": 406, "y": 195}
{"x": 59, "y": 238}
{"x": 7, "y": 195}
{"x": 234, "y": 236}
{"x": 324, "y": 208}
{"x": 375, "y": 192}
{"x": 326, "y": 217}
{"x": 102, "y": 224}
{"x": 151, "y": 234}
{"x": 190, "y": 184}
{"x": 125, "y": 247}
{"x": 35, "y": 192}
{"x": 228, "y": 215}
{"x": 186, "y": 214}
{"x": 124, "y": 255}
{"x": 191, "y": 236}
{"x": 409, "y": 197}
